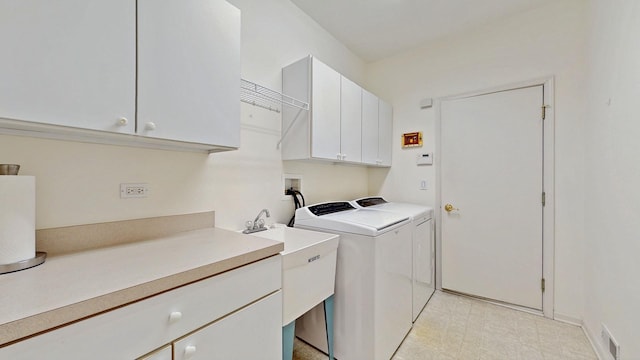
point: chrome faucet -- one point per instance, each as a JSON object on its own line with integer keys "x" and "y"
{"x": 256, "y": 225}
{"x": 263, "y": 211}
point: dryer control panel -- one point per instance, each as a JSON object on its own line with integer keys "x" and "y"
{"x": 330, "y": 208}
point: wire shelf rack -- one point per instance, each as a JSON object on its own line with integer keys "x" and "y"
{"x": 260, "y": 96}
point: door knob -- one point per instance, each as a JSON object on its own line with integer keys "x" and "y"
{"x": 449, "y": 208}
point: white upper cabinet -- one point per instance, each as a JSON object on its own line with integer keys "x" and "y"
{"x": 385, "y": 129}
{"x": 153, "y": 70}
{"x": 370, "y": 134}
{"x": 350, "y": 121}
{"x": 189, "y": 71}
{"x": 342, "y": 125}
{"x": 325, "y": 106}
{"x": 69, "y": 62}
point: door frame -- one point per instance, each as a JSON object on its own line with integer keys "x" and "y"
{"x": 548, "y": 219}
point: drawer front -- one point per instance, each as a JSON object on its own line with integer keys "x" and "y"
{"x": 253, "y": 332}
{"x": 137, "y": 329}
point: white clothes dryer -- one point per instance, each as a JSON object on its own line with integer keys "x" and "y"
{"x": 373, "y": 281}
{"x": 423, "y": 244}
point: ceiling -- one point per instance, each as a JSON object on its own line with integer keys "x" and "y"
{"x": 375, "y": 29}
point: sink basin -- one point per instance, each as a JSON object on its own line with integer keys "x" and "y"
{"x": 308, "y": 268}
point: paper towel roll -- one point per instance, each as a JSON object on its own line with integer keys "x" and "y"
{"x": 17, "y": 218}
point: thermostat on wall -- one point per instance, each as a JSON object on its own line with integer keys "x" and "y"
{"x": 424, "y": 159}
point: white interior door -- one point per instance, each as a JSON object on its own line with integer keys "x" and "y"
{"x": 492, "y": 175}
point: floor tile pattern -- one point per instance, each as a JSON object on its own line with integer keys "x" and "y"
{"x": 453, "y": 327}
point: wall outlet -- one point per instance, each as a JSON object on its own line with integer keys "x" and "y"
{"x": 610, "y": 344}
{"x": 138, "y": 190}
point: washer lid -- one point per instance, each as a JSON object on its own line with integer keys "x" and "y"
{"x": 375, "y": 219}
{"x": 377, "y": 203}
{"x": 357, "y": 221}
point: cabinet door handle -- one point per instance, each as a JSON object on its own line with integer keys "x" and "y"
{"x": 175, "y": 317}
{"x": 189, "y": 351}
{"x": 150, "y": 126}
{"x": 123, "y": 121}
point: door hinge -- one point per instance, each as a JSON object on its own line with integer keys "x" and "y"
{"x": 544, "y": 198}
{"x": 544, "y": 111}
{"x": 542, "y": 286}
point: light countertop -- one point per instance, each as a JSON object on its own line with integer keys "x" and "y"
{"x": 71, "y": 287}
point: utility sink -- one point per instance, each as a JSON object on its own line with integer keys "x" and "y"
{"x": 308, "y": 268}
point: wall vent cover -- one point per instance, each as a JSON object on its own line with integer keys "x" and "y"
{"x": 610, "y": 343}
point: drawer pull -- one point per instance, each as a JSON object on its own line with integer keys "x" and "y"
{"x": 189, "y": 351}
{"x": 175, "y": 317}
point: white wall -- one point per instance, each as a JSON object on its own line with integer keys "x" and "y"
{"x": 79, "y": 183}
{"x": 535, "y": 44}
{"x": 612, "y": 265}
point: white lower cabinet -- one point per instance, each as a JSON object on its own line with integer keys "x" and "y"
{"x": 166, "y": 353}
{"x": 246, "y": 334}
{"x": 245, "y": 301}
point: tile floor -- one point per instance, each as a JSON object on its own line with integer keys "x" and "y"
{"x": 454, "y": 327}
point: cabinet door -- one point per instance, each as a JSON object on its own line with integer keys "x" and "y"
{"x": 189, "y": 71}
{"x": 325, "y": 123}
{"x": 369, "y": 128}
{"x": 350, "y": 121}
{"x": 385, "y": 129}
{"x": 68, "y": 62}
{"x": 166, "y": 353}
{"x": 254, "y": 332}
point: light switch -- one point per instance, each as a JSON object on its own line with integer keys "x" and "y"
{"x": 423, "y": 185}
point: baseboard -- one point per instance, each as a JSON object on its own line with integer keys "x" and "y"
{"x": 595, "y": 343}
{"x": 568, "y": 319}
{"x": 593, "y": 339}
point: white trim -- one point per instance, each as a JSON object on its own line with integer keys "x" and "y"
{"x": 568, "y": 319}
{"x": 437, "y": 212}
{"x": 548, "y": 183}
{"x": 595, "y": 344}
{"x": 496, "y": 303}
{"x": 68, "y": 133}
{"x": 548, "y": 236}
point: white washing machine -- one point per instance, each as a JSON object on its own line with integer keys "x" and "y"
{"x": 423, "y": 259}
{"x": 373, "y": 281}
